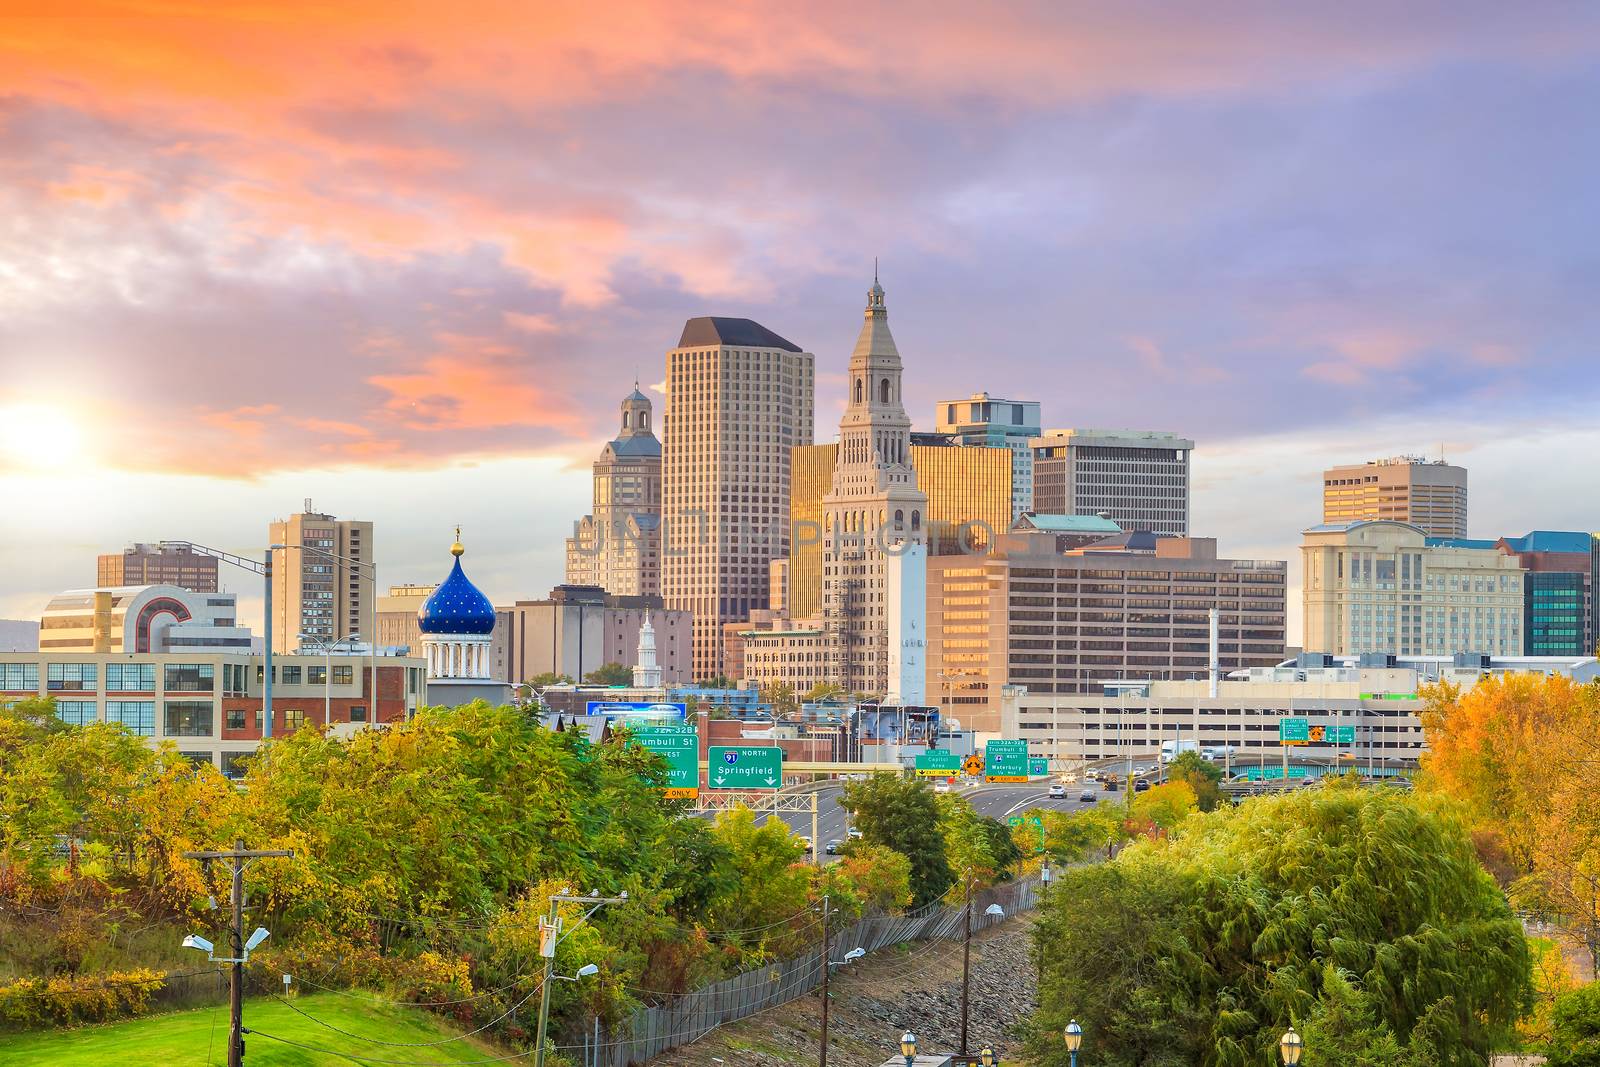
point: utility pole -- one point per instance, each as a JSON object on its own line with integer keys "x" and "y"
{"x": 550, "y": 929}
{"x": 827, "y": 967}
{"x": 240, "y": 858}
{"x": 966, "y": 963}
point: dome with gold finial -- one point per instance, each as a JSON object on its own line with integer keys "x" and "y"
{"x": 457, "y": 606}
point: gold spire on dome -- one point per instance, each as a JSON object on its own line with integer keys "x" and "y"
{"x": 456, "y": 549}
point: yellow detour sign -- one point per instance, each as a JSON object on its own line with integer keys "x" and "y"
{"x": 973, "y": 767}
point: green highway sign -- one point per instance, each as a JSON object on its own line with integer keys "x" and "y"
{"x": 1006, "y": 761}
{"x": 1038, "y": 766}
{"x": 680, "y": 747}
{"x": 1293, "y": 732}
{"x": 937, "y": 763}
{"x": 1342, "y": 735}
{"x": 744, "y": 767}
{"x": 1013, "y": 820}
{"x": 1256, "y": 774}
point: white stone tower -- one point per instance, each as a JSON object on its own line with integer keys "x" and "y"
{"x": 873, "y": 511}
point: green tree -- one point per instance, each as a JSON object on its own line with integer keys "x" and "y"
{"x": 1201, "y": 775}
{"x": 900, "y": 813}
{"x": 781, "y": 696}
{"x": 767, "y": 903}
{"x": 823, "y": 691}
{"x": 609, "y": 674}
{"x": 716, "y": 681}
{"x": 1575, "y": 1036}
{"x": 549, "y": 678}
{"x": 1226, "y": 929}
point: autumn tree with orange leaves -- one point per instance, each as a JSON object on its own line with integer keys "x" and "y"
{"x": 1522, "y": 754}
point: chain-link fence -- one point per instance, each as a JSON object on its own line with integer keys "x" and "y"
{"x": 685, "y": 1017}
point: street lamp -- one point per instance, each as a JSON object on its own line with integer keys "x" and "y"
{"x": 1074, "y": 1039}
{"x": 986, "y": 1057}
{"x": 1291, "y": 1046}
{"x": 908, "y": 1047}
{"x": 318, "y": 641}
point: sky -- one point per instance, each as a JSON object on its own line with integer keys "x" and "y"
{"x": 405, "y": 260}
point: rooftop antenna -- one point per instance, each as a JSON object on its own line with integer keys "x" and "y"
{"x": 874, "y": 270}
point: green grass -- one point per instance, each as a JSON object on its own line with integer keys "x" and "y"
{"x": 181, "y": 1039}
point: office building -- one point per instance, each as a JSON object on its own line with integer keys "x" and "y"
{"x": 1373, "y": 697}
{"x": 874, "y": 508}
{"x": 209, "y": 703}
{"x": 1560, "y": 615}
{"x": 142, "y": 564}
{"x": 1066, "y": 622}
{"x": 1137, "y": 479}
{"x": 618, "y": 546}
{"x": 798, "y": 657}
{"x": 989, "y": 422}
{"x": 739, "y": 398}
{"x": 141, "y": 618}
{"x": 969, "y": 503}
{"x": 580, "y": 628}
{"x": 397, "y": 616}
{"x": 1431, "y": 494}
{"x": 324, "y": 582}
{"x": 1379, "y": 586}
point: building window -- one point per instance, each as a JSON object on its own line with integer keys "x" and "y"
{"x": 138, "y": 716}
{"x": 198, "y": 759}
{"x": 15, "y": 677}
{"x": 73, "y": 677}
{"x": 77, "y": 712}
{"x": 358, "y": 713}
{"x": 291, "y": 676}
{"x": 190, "y": 678}
{"x": 293, "y": 719}
{"x": 188, "y": 718}
{"x": 317, "y": 675}
{"x": 343, "y": 675}
{"x": 130, "y": 677}
{"x": 234, "y": 763}
{"x": 236, "y": 719}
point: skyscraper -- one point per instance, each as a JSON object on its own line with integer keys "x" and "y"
{"x": 875, "y": 508}
{"x": 618, "y": 547}
{"x": 1431, "y": 494}
{"x": 739, "y": 397}
{"x": 157, "y": 565}
{"x": 324, "y": 583}
{"x": 1138, "y": 479}
{"x": 968, "y": 491}
{"x": 985, "y": 421}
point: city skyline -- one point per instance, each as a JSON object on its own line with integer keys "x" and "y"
{"x": 1295, "y": 240}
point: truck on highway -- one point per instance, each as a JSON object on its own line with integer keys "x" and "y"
{"x": 1171, "y": 750}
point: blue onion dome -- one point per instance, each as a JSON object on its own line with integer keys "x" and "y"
{"x": 457, "y": 606}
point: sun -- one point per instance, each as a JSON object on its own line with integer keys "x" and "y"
{"x": 40, "y": 437}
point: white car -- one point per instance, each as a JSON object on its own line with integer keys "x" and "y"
{"x": 1058, "y": 791}
{"x": 804, "y": 841}
{"x": 941, "y": 786}
{"x": 853, "y": 834}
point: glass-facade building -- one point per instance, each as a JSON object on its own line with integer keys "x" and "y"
{"x": 1554, "y": 619}
{"x": 963, "y": 485}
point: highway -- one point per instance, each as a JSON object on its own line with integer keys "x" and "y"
{"x": 998, "y": 801}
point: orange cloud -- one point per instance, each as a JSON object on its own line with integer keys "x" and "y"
{"x": 474, "y": 389}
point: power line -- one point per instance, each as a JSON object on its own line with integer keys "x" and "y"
{"x": 411, "y": 1044}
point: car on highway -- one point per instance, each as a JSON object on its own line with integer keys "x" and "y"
{"x": 803, "y": 841}
{"x": 853, "y": 834}
{"x": 941, "y": 787}
{"x": 1112, "y": 785}
{"x": 1087, "y": 796}
{"x": 833, "y": 846}
{"x": 1141, "y": 785}
{"x": 1058, "y": 791}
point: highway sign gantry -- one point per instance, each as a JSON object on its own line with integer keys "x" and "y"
{"x": 1005, "y": 761}
{"x": 744, "y": 767}
{"x": 1294, "y": 731}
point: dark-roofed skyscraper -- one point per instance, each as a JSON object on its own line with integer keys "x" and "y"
{"x": 739, "y": 397}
